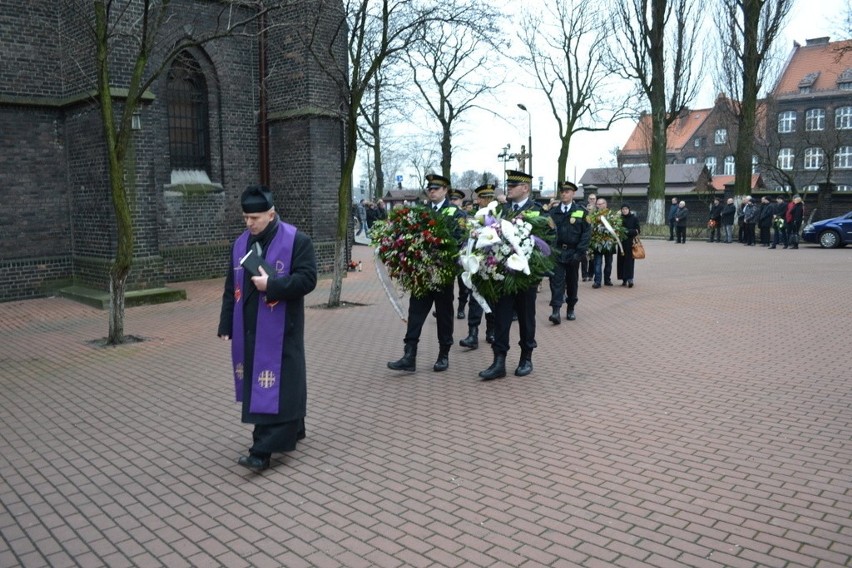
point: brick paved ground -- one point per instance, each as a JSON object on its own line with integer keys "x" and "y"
{"x": 701, "y": 418}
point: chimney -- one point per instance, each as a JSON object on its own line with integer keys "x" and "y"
{"x": 817, "y": 41}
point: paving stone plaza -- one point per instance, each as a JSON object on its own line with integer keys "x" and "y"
{"x": 701, "y": 418}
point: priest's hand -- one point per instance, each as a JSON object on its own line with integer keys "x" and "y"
{"x": 260, "y": 281}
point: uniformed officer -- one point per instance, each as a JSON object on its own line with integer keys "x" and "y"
{"x": 418, "y": 308}
{"x": 484, "y": 195}
{"x": 518, "y": 202}
{"x": 457, "y": 199}
{"x": 573, "y": 234}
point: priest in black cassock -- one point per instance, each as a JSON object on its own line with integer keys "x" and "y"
{"x": 264, "y": 316}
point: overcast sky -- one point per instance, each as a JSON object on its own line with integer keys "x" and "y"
{"x": 482, "y": 138}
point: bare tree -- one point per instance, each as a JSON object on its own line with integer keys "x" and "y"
{"x": 146, "y": 30}
{"x": 450, "y": 68}
{"x": 374, "y": 31}
{"x": 748, "y": 30}
{"x": 654, "y": 42}
{"x": 565, "y": 50}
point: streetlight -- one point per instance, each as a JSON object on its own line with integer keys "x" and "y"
{"x": 529, "y": 134}
{"x": 504, "y": 155}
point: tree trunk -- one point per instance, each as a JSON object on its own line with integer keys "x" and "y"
{"x": 446, "y": 151}
{"x": 562, "y": 162}
{"x": 344, "y": 192}
{"x": 748, "y": 105}
{"x": 117, "y": 289}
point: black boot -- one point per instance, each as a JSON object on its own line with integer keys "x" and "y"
{"x": 489, "y": 331}
{"x": 472, "y": 339}
{"x": 554, "y": 317}
{"x": 443, "y": 361}
{"x": 408, "y": 361}
{"x": 525, "y": 365}
{"x": 497, "y": 368}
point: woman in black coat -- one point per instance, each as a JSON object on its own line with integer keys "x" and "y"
{"x": 625, "y": 262}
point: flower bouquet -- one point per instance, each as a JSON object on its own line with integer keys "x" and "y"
{"x": 607, "y": 230}
{"x": 504, "y": 256}
{"x": 418, "y": 248}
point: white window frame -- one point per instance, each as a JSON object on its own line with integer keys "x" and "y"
{"x": 710, "y": 162}
{"x": 843, "y": 118}
{"x": 691, "y": 160}
{"x": 730, "y": 165}
{"x": 814, "y": 158}
{"x": 786, "y": 157}
{"x": 787, "y": 121}
{"x": 843, "y": 158}
{"x": 720, "y": 136}
{"x": 815, "y": 119}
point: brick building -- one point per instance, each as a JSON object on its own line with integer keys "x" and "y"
{"x": 806, "y": 143}
{"x": 197, "y": 143}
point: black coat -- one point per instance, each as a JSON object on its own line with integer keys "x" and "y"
{"x": 682, "y": 216}
{"x": 292, "y": 289}
{"x": 728, "y": 213}
{"x": 764, "y": 216}
{"x": 572, "y": 239}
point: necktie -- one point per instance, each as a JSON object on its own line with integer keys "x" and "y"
{"x": 515, "y": 207}
{"x": 565, "y": 209}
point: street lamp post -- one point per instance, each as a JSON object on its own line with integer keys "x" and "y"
{"x": 505, "y": 156}
{"x": 529, "y": 134}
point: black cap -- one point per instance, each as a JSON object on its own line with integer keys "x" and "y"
{"x": 456, "y": 194}
{"x": 485, "y": 190}
{"x": 256, "y": 199}
{"x": 626, "y": 204}
{"x": 434, "y": 180}
{"x": 514, "y": 177}
{"x": 567, "y": 186}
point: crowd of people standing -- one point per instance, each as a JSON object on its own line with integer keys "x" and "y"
{"x": 766, "y": 223}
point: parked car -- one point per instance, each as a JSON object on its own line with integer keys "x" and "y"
{"x": 830, "y": 233}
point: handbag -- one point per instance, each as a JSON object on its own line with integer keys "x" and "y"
{"x": 638, "y": 249}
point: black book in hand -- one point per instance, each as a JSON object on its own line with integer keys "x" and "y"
{"x": 253, "y": 261}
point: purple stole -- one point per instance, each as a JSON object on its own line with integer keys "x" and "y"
{"x": 271, "y": 320}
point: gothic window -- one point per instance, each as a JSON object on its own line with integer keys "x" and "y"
{"x": 186, "y": 98}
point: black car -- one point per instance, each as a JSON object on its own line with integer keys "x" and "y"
{"x": 830, "y": 233}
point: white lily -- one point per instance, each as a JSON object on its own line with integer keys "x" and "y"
{"x": 487, "y": 237}
{"x": 519, "y": 263}
{"x": 469, "y": 263}
{"x": 511, "y": 235}
{"x": 487, "y": 210}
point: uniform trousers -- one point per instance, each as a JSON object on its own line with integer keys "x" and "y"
{"x": 524, "y": 304}
{"x": 474, "y": 314}
{"x": 419, "y": 309}
{"x": 565, "y": 280}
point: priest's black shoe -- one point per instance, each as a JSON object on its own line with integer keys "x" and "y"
{"x": 254, "y": 463}
{"x": 408, "y": 362}
{"x": 554, "y": 317}
{"x": 570, "y": 315}
{"x": 525, "y": 366}
{"x": 496, "y": 370}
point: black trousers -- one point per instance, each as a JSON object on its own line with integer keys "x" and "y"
{"x": 681, "y": 234}
{"x": 464, "y": 293}
{"x": 524, "y": 304}
{"x": 474, "y": 314}
{"x": 420, "y": 308}
{"x": 565, "y": 280}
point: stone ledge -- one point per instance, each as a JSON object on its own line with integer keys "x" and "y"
{"x": 100, "y": 299}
